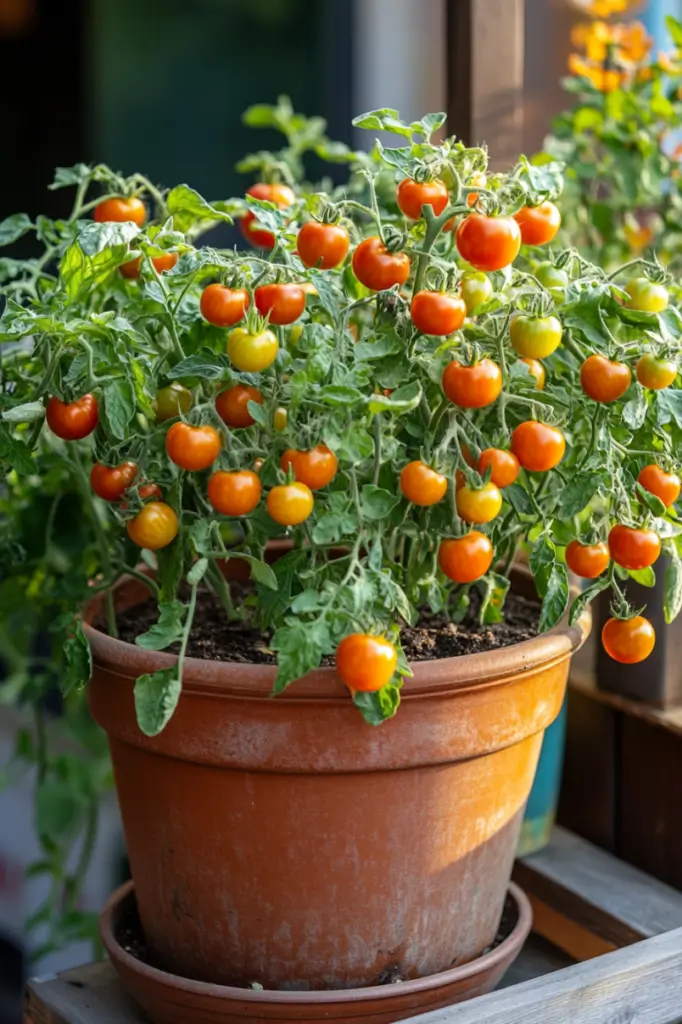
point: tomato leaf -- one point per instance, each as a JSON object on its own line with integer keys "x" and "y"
{"x": 333, "y": 527}
{"x": 188, "y": 208}
{"x": 494, "y": 596}
{"x": 78, "y": 660}
{"x": 555, "y": 598}
{"x": 384, "y": 120}
{"x": 204, "y": 364}
{"x": 261, "y": 571}
{"x": 15, "y": 452}
{"x": 645, "y": 577}
{"x": 26, "y": 413}
{"x": 376, "y": 502}
{"x": 60, "y": 809}
{"x": 381, "y": 705}
{"x": 669, "y": 406}
{"x": 156, "y": 698}
{"x": 519, "y": 499}
{"x": 14, "y": 227}
{"x": 577, "y": 494}
{"x": 197, "y": 572}
{"x": 167, "y": 630}
{"x": 338, "y": 394}
{"x": 300, "y": 647}
{"x": 171, "y": 565}
{"x": 634, "y": 411}
{"x": 404, "y": 399}
{"x": 542, "y": 560}
{"x": 119, "y": 406}
{"x": 652, "y": 501}
{"x": 672, "y": 599}
{"x": 94, "y": 238}
{"x": 586, "y": 597}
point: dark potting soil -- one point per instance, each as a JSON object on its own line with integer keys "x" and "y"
{"x": 130, "y": 936}
{"x": 214, "y": 638}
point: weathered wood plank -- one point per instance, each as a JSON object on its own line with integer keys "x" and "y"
{"x": 641, "y": 984}
{"x": 86, "y": 995}
{"x": 612, "y": 900}
{"x": 485, "y": 75}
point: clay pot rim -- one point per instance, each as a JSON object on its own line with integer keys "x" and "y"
{"x": 505, "y": 952}
{"x": 256, "y": 680}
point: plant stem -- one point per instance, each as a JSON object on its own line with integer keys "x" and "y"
{"x": 377, "y": 449}
{"x": 221, "y": 589}
{"x": 102, "y": 541}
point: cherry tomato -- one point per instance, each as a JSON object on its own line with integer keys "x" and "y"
{"x": 166, "y": 261}
{"x": 466, "y": 559}
{"x": 537, "y": 446}
{"x": 223, "y": 306}
{"x": 412, "y": 196}
{"x": 646, "y": 295}
{"x": 437, "y": 313}
{"x": 504, "y": 465}
{"x": 422, "y": 485}
{"x": 476, "y": 289}
{"x": 665, "y": 486}
{"x": 654, "y": 373}
{"x": 121, "y": 210}
{"x": 72, "y": 420}
{"x": 192, "y": 448}
{"x": 234, "y": 494}
{"x": 554, "y": 279}
{"x": 480, "y": 504}
{"x": 281, "y": 195}
{"x": 280, "y": 419}
{"x": 232, "y": 405}
{"x": 316, "y": 468}
{"x": 587, "y": 560}
{"x": 535, "y": 337}
{"x": 322, "y": 245}
{"x": 111, "y": 482}
{"x": 377, "y": 268}
{"x": 488, "y": 243}
{"x": 604, "y": 380}
{"x": 539, "y": 224}
{"x": 537, "y": 370}
{"x": 154, "y": 526}
{"x": 173, "y": 400}
{"x": 628, "y": 640}
{"x": 290, "y": 504}
{"x": 283, "y": 302}
{"x": 252, "y": 352}
{"x": 632, "y": 548}
{"x": 472, "y": 387}
{"x": 366, "y": 663}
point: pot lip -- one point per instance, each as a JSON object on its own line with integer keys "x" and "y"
{"x": 256, "y": 680}
{"x": 488, "y": 962}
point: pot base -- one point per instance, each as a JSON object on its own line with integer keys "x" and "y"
{"x": 170, "y": 999}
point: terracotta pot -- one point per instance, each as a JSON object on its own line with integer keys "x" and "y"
{"x": 285, "y": 841}
{"x": 168, "y": 999}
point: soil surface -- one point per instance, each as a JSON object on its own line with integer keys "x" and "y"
{"x": 129, "y": 934}
{"x": 215, "y": 638}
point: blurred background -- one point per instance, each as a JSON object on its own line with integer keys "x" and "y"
{"x": 159, "y": 86}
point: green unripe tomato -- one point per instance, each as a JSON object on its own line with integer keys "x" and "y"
{"x": 173, "y": 400}
{"x": 535, "y": 337}
{"x": 554, "y": 279}
{"x": 646, "y": 295}
{"x": 476, "y": 289}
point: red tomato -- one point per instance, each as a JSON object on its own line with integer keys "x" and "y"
{"x": 537, "y": 370}
{"x": 111, "y": 482}
{"x": 166, "y": 261}
{"x": 234, "y": 494}
{"x": 466, "y": 559}
{"x": 154, "y": 526}
{"x": 665, "y": 486}
{"x": 281, "y": 195}
{"x": 72, "y": 420}
{"x": 537, "y": 446}
{"x": 437, "y": 313}
{"x": 539, "y": 224}
{"x": 478, "y": 504}
{"x": 472, "y": 387}
{"x": 632, "y": 548}
{"x": 232, "y": 405}
{"x": 628, "y": 640}
{"x": 290, "y": 504}
{"x": 603, "y": 380}
{"x": 587, "y": 560}
{"x": 654, "y": 373}
{"x": 488, "y": 243}
{"x": 505, "y": 466}
{"x": 192, "y": 448}
{"x": 422, "y": 485}
{"x": 412, "y": 196}
{"x": 223, "y": 306}
{"x": 121, "y": 210}
{"x": 316, "y": 468}
{"x": 377, "y": 268}
{"x": 366, "y": 663}
{"x": 284, "y": 303}
{"x": 322, "y": 245}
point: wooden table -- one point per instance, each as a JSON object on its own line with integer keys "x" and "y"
{"x": 606, "y": 949}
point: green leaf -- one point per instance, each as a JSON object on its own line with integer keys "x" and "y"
{"x": 188, "y": 208}
{"x": 556, "y": 597}
{"x": 586, "y": 597}
{"x": 60, "y": 810}
{"x": 383, "y": 120}
{"x": 494, "y": 596}
{"x": 200, "y": 535}
{"x": 652, "y": 501}
{"x": 119, "y": 406}
{"x": 542, "y": 559}
{"x": 404, "y": 399}
{"x": 15, "y": 453}
{"x": 171, "y": 563}
{"x": 261, "y": 571}
{"x": 156, "y": 698}
{"x": 577, "y": 494}
{"x": 379, "y": 347}
{"x": 675, "y": 29}
{"x": 669, "y": 406}
{"x": 167, "y": 630}
{"x": 78, "y": 658}
{"x": 672, "y": 599}
{"x": 197, "y": 572}
{"x": 645, "y": 577}
{"x": 376, "y": 502}
{"x": 519, "y": 499}
{"x": 379, "y": 706}
{"x": 333, "y": 527}
{"x": 338, "y": 394}
{"x": 94, "y": 238}
{"x": 634, "y": 411}
{"x": 205, "y": 364}
{"x": 14, "y": 227}
{"x": 300, "y": 646}
{"x": 25, "y": 413}
{"x": 65, "y": 177}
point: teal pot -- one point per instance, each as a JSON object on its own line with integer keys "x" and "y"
{"x": 544, "y": 796}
